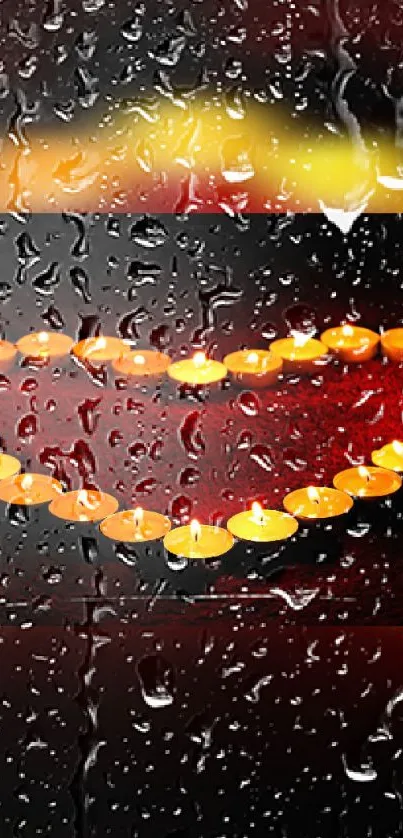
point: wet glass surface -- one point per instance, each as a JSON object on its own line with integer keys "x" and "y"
{"x": 200, "y": 176}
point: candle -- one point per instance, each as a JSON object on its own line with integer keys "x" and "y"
{"x": 101, "y": 349}
{"x": 83, "y": 505}
{"x": 44, "y": 345}
{"x": 9, "y": 466}
{"x": 29, "y": 489}
{"x": 300, "y": 353}
{"x": 197, "y": 370}
{"x": 390, "y": 456}
{"x": 258, "y": 524}
{"x": 8, "y": 352}
{"x": 198, "y": 541}
{"x": 368, "y": 482}
{"x": 143, "y": 364}
{"x": 392, "y": 344}
{"x": 353, "y": 344}
{"x": 317, "y": 502}
{"x": 254, "y": 367}
{"x": 136, "y": 525}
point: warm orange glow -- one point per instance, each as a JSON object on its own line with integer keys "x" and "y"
{"x": 257, "y": 513}
{"x": 199, "y": 359}
{"x": 138, "y": 517}
{"x": 83, "y": 498}
{"x": 139, "y": 360}
{"x": 364, "y": 473}
{"x": 99, "y": 343}
{"x": 27, "y": 482}
{"x": 347, "y": 330}
{"x": 397, "y": 447}
{"x": 195, "y": 530}
{"x": 252, "y": 358}
{"x": 313, "y": 494}
{"x": 300, "y": 339}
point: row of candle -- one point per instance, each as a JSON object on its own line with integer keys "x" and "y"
{"x": 251, "y": 367}
{"x": 197, "y": 541}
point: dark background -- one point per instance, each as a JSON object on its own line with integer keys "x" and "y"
{"x": 261, "y": 696}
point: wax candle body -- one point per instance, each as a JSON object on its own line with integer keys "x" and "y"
{"x": 390, "y": 456}
{"x": 29, "y": 489}
{"x": 254, "y": 367}
{"x": 300, "y": 354}
{"x": 44, "y": 345}
{"x": 368, "y": 482}
{"x": 317, "y": 503}
{"x": 99, "y": 350}
{"x": 392, "y": 344}
{"x": 353, "y": 344}
{"x": 8, "y": 352}
{"x": 262, "y": 525}
{"x": 203, "y": 543}
{"x": 135, "y": 526}
{"x": 83, "y": 505}
{"x": 9, "y": 466}
{"x": 142, "y": 364}
{"x": 198, "y": 370}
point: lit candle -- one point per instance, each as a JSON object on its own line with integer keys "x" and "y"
{"x": 254, "y": 367}
{"x": 352, "y": 344}
{"x": 317, "y": 503}
{"x": 144, "y": 364}
{"x": 9, "y": 466}
{"x": 197, "y": 370}
{"x": 136, "y": 525}
{"x": 392, "y": 344}
{"x": 264, "y": 525}
{"x": 8, "y": 352}
{"x": 368, "y": 482}
{"x": 198, "y": 541}
{"x": 390, "y": 456}
{"x": 29, "y": 489}
{"x": 44, "y": 345}
{"x": 300, "y": 353}
{"x": 83, "y": 505}
{"x": 101, "y": 349}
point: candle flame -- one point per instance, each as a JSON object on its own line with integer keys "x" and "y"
{"x": 195, "y": 530}
{"x": 26, "y": 482}
{"x": 83, "y": 499}
{"x": 364, "y": 473}
{"x": 313, "y": 494}
{"x": 138, "y": 516}
{"x": 397, "y": 447}
{"x": 252, "y": 358}
{"x": 257, "y": 513}
{"x": 42, "y": 337}
{"x": 199, "y": 359}
{"x": 99, "y": 343}
{"x": 347, "y": 330}
{"x": 139, "y": 360}
{"x": 300, "y": 339}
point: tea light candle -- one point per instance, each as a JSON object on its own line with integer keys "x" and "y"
{"x": 136, "y": 525}
{"x": 264, "y": 525}
{"x": 254, "y": 367}
{"x": 8, "y": 352}
{"x": 9, "y": 466}
{"x": 44, "y": 345}
{"x": 352, "y": 344}
{"x": 197, "y": 370}
{"x": 101, "y": 349}
{"x": 317, "y": 503}
{"x": 29, "y": 489}
{"x": 143, "y": 364}
{"x": 198, "y": 541}
{"x": 300, "y": 353}
{"x": 368, "y": 482}
{"x": 83, "y": 505}
{"x": 390, "y": 456}
{"x": 392, "y": 344}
